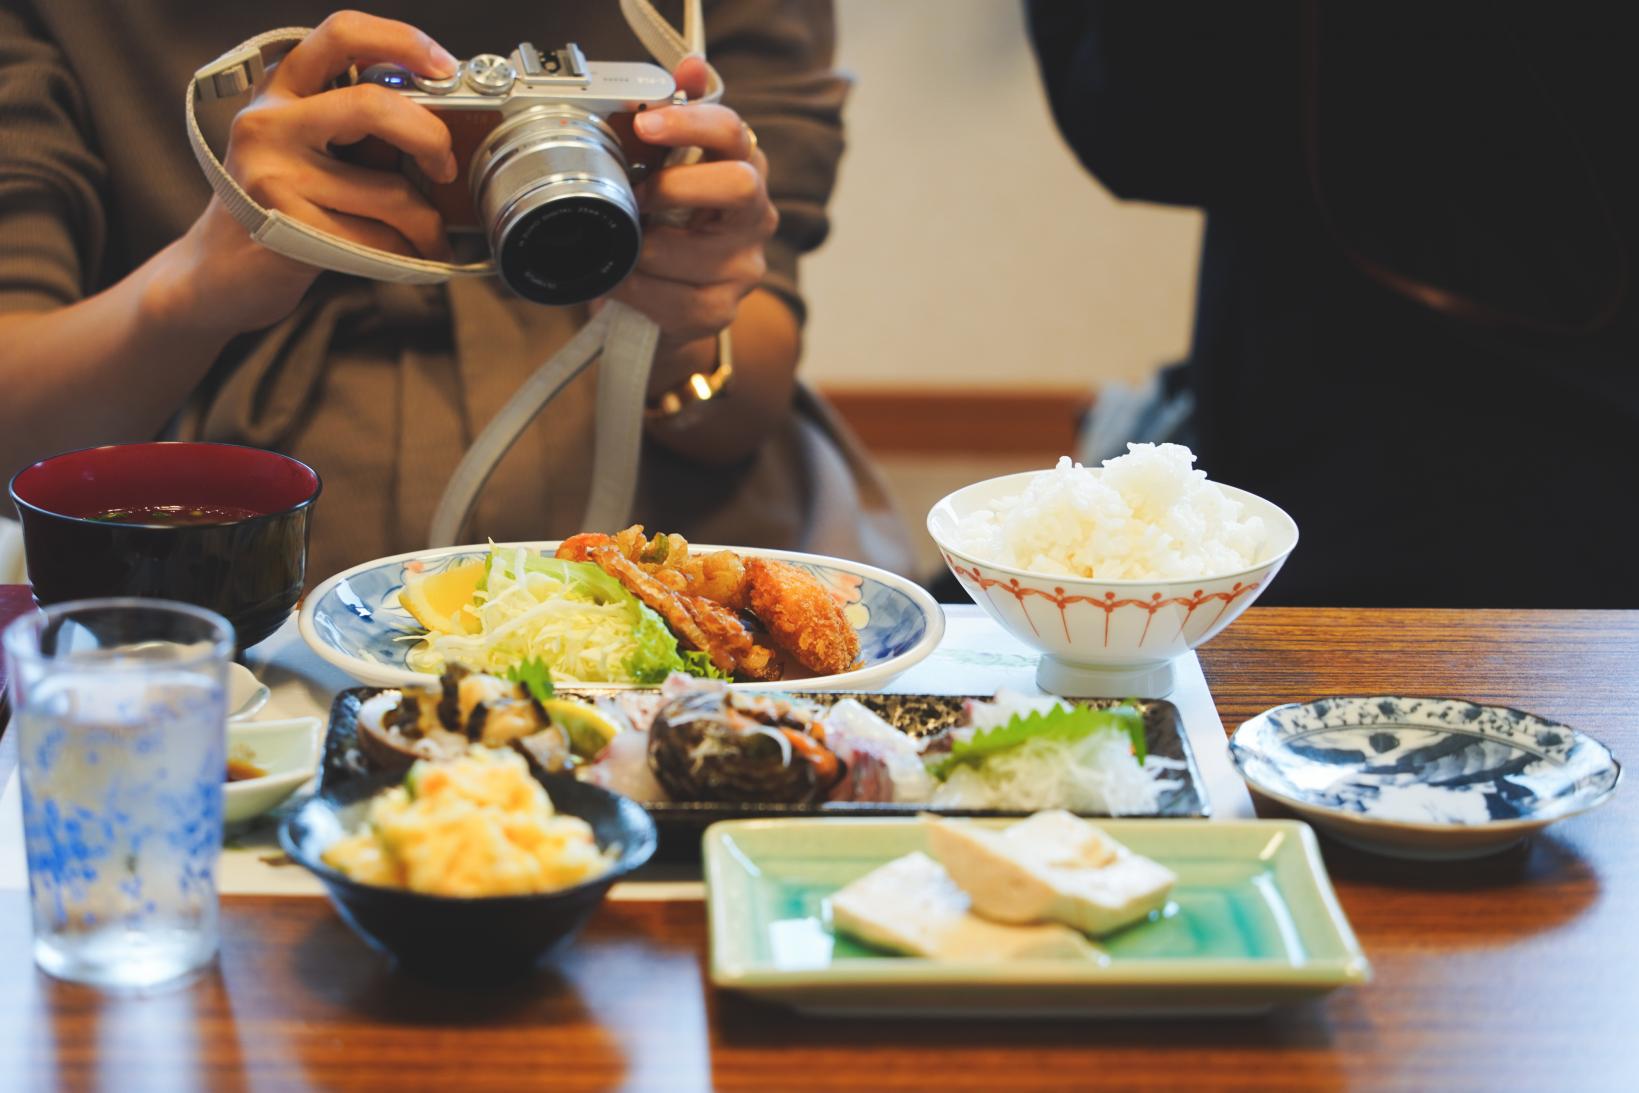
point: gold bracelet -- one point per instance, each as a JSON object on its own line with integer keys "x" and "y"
{"x": 682, "y": 402}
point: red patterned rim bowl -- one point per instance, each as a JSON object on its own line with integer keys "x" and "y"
{"x": 1107, "y": 638}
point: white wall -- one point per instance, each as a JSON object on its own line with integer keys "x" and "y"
{"x": 969, "y": 247}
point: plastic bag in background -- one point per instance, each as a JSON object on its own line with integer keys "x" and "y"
{"x": 1159, "y": 410}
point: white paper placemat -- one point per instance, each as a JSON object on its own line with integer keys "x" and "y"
{"x": 976, "y": 657}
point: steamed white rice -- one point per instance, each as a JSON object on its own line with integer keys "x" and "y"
{"x": 1148, "y": 515}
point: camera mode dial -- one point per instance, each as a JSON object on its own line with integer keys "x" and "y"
{"x": 489, "y": 74}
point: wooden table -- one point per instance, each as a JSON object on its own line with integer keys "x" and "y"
{"x": 1521, "y": 971}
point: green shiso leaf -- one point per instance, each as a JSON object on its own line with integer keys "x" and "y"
{"x": 1065, "y": 726}
{"x": 535, "y": 676}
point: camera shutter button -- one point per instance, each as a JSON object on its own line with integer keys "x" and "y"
{"x": 489, "y": 74}
{"x": 434, "y": 85}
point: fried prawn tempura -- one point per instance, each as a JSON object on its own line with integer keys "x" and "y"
{"x": 801, "y": 616}
{"x": 700, "y": 623}
{"x": 698, "y": 597}
{"x": 665, "y": 603}
{"x": 724, "y": 630}
{"x": 717, "y": 576}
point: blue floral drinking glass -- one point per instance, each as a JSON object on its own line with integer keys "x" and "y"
{"x": 120, "y": 711}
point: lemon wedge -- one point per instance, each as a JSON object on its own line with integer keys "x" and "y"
{"x": 439, "y": 601}
{"x": 589, "y": 730}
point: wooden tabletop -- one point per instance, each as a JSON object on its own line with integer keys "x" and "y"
{"x": 1521, "y": 971}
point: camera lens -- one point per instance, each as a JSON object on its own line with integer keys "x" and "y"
{"x": 572, "y": 248}
{"x": 550, "y": 185}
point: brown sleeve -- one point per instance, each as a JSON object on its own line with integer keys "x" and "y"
{"x": 52, "y": 221}
{"x": 775, "y": 60}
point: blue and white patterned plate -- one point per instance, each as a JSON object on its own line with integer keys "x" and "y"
{"x": 1428, "y": 778}
{"x": 354, "y": 620}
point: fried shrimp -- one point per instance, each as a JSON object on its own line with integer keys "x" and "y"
{"x": 718, "y": 576}
{"x": 665, "y": 602}
{"x": 721, "y": 577}
{"x": 802, "y": 617}
{"x": 578, "y": 548}
{"x": 709, "y": 627}
{"x": 725, "y": 630}
{"x": 700, "y": 597}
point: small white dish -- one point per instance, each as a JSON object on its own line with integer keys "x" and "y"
{"x": 246, "y": 694}
{"x": 288, "y": 750}
{"x": 1429, "y": 779}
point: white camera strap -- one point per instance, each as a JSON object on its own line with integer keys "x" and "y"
{"x": 623, "y": 338}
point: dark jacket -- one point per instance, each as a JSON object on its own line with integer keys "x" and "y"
{"x": 1416, "y": 324}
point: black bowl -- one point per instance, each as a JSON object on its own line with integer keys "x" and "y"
{"x": 247, "y": 567}
{"x": 466, "y": 940}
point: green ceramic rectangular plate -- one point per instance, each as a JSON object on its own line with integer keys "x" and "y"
{"x": 1253, "y": 923}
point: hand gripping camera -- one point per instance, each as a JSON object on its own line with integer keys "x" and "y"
{"x": 546, "y": 146}
{"x": 547, "y": 160}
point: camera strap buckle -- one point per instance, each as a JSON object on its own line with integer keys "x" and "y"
{"x": 230, "y": 75}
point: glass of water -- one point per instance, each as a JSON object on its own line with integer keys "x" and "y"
{"x": 120, "y": 711}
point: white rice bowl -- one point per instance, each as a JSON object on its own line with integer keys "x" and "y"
{"x": 1146, "y": 515}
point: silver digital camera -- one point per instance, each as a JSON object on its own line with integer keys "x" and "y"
{"x": 547, "y": 159}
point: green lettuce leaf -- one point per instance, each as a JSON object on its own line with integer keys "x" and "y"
{"x": 697, "y": 663}
{"x": 1056, "y": 724}
{"x": 601, "y": 587}
{"x": 654, "y": 655}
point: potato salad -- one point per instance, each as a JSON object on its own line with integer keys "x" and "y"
{"x": 478, "y": 825}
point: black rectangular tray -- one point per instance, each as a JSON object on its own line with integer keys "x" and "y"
{"x": 915, "y": 714}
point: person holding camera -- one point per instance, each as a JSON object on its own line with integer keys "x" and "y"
{"x": 132, "y": 305}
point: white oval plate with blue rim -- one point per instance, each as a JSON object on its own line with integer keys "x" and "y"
{"x": 354, "y": 621}
{"x": 1425, "y": 778}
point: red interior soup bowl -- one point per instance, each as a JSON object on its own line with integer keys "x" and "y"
{"x": 217, "y": 525}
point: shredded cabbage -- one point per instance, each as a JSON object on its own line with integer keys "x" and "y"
{"x": 1095, "y": 773}
{"x": 572, "y": 616}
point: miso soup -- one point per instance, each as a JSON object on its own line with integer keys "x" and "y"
{"x": 174, "y": 515}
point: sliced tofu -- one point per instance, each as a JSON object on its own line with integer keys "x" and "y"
{"x": 1053, "y": 867}
{"x": 912, "y": 906}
